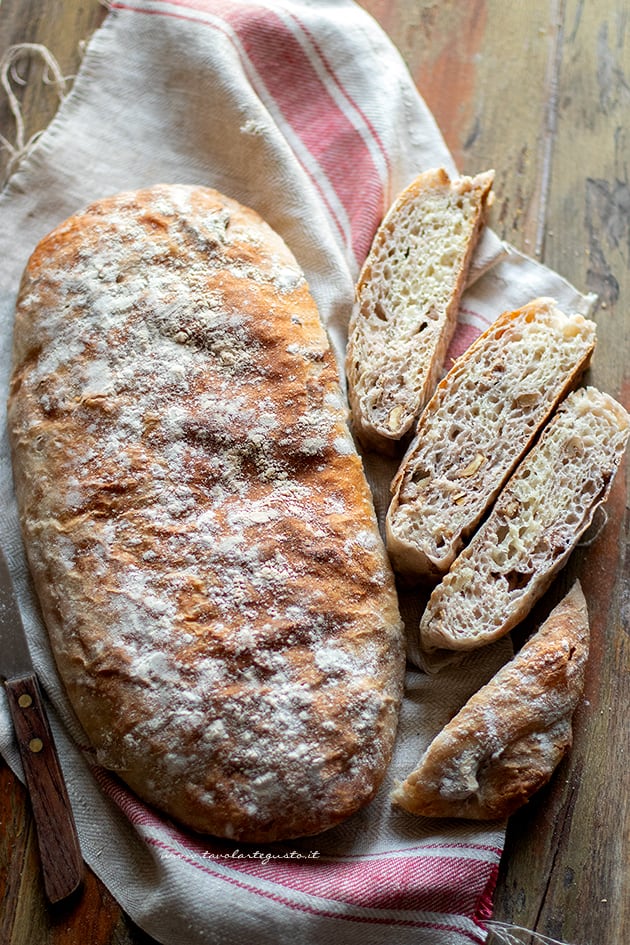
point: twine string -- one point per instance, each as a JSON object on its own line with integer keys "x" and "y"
{"x": 509, "y": 934}
{"x": 11, "y": 77}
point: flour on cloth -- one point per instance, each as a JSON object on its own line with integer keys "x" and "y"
{"x": 305, "y": 112}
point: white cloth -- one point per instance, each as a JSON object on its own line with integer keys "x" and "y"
{"x": 304, "y": 111}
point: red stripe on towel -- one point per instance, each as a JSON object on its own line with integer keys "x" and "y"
{"x": 342, "y": 157}
{"x": 447, "y": 883}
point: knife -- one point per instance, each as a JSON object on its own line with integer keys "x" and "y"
{"x": 60, "y": 853}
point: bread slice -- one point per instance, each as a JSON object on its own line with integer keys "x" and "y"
{"x": 536, "y": 521}
{"x": 475, "y": 429}
{"x": 505, "y": 743}
{"x": 407, "y": 301}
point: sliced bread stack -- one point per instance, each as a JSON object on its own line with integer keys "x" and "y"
{"x": 479, "y": 423}
{"x": 508, "y": 461}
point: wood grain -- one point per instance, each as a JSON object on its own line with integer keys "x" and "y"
{"x": 62, "y": 27}
{"x": 57, "y": 840}
{"x": 575, "y": 838}
{"x": 547, "y": 91}
{"x": 93, "y": 917}
{"x": 539, "y": 91}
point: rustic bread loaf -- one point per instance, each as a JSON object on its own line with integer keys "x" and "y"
{"x": 197, "y": 521}
{"x": 407, "y": 301}
{"x": 534, "y": 525}
{"x": 476, "y": 427}
{"x": 506, "y": 741}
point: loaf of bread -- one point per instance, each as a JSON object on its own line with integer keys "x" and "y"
{"x": 475, "y": 429}
{"x": 534, "y": 525}
{"x": 197, "y": 521}
{"x": 407, "y": 300}
{"x": 506, "y": 741}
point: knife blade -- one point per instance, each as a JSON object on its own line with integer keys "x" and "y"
{"x": 57, "y": 839}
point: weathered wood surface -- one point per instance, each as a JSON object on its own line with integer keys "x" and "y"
{"x": 541, "y": 92}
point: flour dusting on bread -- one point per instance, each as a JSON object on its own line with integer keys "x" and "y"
{"x": 506, "y": 741}
{"x": 199, "y": 528}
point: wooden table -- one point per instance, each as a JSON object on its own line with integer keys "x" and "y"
{"x": 540, "y": 92}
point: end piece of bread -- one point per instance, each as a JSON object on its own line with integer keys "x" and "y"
{"x": 407, "y": 300}
{"x": 477, "y": 426}
{"x": 536, "y": 522}
{"x": 506, "y": 741}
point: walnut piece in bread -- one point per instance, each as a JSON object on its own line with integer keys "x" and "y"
{"x": 407, "y": 300}
{"x": 479, "y": 423}
{"x": 537, "y": 520}
{"x": 198, "y": 525}
{"x": 506, "y": 741}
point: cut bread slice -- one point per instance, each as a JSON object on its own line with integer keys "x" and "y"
{"x": 479, "y": 423}
{"x": 506, "y": 741}
{"x": 407, "y": 301}
{"x": 536, "y": 522}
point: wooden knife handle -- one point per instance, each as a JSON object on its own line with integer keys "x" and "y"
{"x": 59, "y": 849}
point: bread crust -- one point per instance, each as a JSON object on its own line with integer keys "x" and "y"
{"x": 506, "y": 741}
{"x": 404, "y": 317}
{"x": 198, "y": 525}
{"x": 479, "y": 423}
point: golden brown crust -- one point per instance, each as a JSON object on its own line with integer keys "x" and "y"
{"x": 197, "y": 521}
{"x": 504, "y": 744}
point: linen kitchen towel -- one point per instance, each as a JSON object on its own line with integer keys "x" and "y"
{"x": 305, "y": 112}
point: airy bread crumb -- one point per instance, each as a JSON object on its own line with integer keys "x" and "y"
{"x": 536, "y": 522}
{"x": 407, "y": 301}
{"x": 477, "y": 426}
